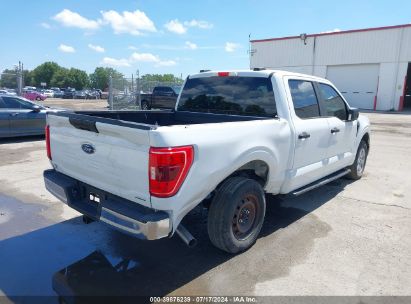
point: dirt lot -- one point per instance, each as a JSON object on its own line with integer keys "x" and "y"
{"x": 346, "y": 238}
{"x": 76, "y": 104}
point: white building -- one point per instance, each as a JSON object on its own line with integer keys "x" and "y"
{"x": 369, "y": 66}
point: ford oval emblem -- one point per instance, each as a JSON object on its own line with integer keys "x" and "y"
{"x": 88, "y": 148}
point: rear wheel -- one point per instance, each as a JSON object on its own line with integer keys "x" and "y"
{"x": 357, "y": 168}
{"x": 38, "y": 98}
{"x": 236, "y": 214}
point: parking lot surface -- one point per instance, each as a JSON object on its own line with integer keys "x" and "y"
{"x": 76, "y": 104}
{"x": 346, "y": 238}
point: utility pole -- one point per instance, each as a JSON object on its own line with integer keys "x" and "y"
{"x": 22, "y": 75}
{"x": 110, "y": 91}
{"x": 138, "y": 88}
{"x": 19, "y": 75}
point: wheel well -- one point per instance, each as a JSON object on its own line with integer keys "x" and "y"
{"x": 256, "y": 169}
{"x": 366, "y": 138}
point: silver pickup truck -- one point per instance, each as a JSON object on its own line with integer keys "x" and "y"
{"x": 232, "y": 137}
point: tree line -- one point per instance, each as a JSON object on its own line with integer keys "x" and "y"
{"x": 55, "y": 75}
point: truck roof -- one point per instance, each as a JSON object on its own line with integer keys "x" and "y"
{"x": 252, "y": 73}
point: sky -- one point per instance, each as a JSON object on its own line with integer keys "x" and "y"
{"x": 178, "y": 37}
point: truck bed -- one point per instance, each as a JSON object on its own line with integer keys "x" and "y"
{"x": 154, "y": 118}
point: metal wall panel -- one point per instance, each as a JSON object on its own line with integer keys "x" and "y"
{"x": 389, "y": 47}
{"x": 347, "y": 48}
{"x": 358, "y": 48}
{"x": 291, "y": 52}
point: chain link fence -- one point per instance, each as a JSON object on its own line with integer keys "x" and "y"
{"x": 12, "y": 81}
{"x": 125, "y": 93}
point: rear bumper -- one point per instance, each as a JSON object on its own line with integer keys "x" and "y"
{"x": 122, "y": 214}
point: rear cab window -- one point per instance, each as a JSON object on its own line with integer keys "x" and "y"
{"x": 234, "y": 95}
{"x": 304, "y": 98}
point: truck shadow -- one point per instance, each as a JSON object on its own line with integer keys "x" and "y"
{"x": 114, "y": 264}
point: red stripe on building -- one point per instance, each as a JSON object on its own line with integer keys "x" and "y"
{"x": 401, "y": 105}
{"x": 376, "y": 93}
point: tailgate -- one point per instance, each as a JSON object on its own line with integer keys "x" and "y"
{"x": 108, "y": 154}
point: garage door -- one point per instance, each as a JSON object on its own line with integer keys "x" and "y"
{"x": 358, "y": 83}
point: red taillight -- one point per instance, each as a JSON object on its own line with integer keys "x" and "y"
{"x": 47, "y": 132}
{"x": 168, "y": 168}
{"x": 223, "y": 74}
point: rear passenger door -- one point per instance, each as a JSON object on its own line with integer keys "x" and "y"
{"x": 342, "y": 132}
{"x": 311, "y": 135}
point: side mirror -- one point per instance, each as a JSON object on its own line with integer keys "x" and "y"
{"x": 36, "y": 108}
{"x": 353, "y": 114}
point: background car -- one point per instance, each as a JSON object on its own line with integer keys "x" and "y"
{"x": 58, "y": 93}
{"x": 49, "y": 93}
{"x": 80, "y": 95}
{"x": 69, "y": 93}
{"x": 33, "y": 95}
{"x": 29, "y": 88}
{"x": 8, "y": 92}
{"x": 92, "y": 94}
{"x": 21, "y": 117}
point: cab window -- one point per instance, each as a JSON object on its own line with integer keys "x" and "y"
{"x": 304, "y": 98}
{"x": 333, "y": 103}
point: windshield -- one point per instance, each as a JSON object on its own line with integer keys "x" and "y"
{"x": 251, "y": 96}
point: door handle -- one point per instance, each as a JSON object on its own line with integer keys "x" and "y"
{"x": 335, "y": 130}
{"x": 303, "y": 135}
{"x": 14, "y": 114}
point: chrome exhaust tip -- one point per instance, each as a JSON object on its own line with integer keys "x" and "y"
{"x": 186, "y": 236}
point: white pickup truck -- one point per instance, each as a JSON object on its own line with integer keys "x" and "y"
{"x": 232, "y": 137}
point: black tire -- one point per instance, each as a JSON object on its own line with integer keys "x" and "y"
{"x": 357, "y": 168}
{"x": 236, "y": 214}
{"x": 144, "y": 105}
{"x": 38, "y": 98}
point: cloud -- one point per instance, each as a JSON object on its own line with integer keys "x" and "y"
{"x": 187, "y": 45}
{"x": 66, "y": 48}
{"x": 144, "y": 57}
{"x": 165, "y": 63}
{"x": 134, "y": 23}
{"x": 199, "y": 23}
{"x": 148, "y": 57}
{"x": 72, "y": 19}
{"x": 176, "y": 27}
{"x": 336, "y": 30}
{"x": 115, "y": 62}
{"x": 191, "y": 45}
{"x": 96, "y": 48}
{"x": 138, "y": 57}
{"x": 45, "y": 25}
{"x": 132, "y": 47}
{"x": 231, "y": 47}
